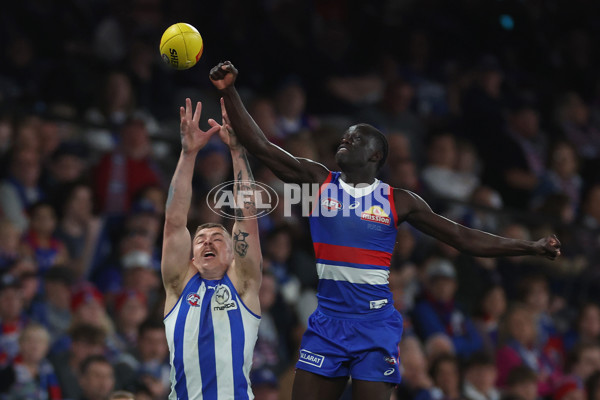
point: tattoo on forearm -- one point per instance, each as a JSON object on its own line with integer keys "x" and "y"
{"x": 249, "y": 205}
{"x": 240, "y": 244}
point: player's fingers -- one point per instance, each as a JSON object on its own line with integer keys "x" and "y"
{"x": 214, "y": 123}
{"x": 213, "y": 130}
{"x": 224, "y": 115}
{"x": 181, "y": 113}
{"x": 188, "y": 108}
{"x": 557, "y": 241}
{"x": 198, "y": 112}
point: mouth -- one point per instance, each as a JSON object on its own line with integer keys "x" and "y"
{"x": 208, "y": 255}
{"x": 342, "y": 147}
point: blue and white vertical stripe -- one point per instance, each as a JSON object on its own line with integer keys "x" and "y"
{"x": 211, "y": 336}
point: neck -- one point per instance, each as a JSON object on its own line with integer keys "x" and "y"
{"x": 31, "y": 366}
{"x": 358, "y": 176}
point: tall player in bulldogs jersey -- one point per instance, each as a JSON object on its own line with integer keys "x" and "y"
{"x": 212, "y": 308}
{"x": 355, "y": 330}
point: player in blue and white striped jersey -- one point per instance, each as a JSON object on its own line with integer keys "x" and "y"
{"x": 212, "y": 310}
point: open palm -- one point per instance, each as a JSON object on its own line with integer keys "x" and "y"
{"x": 192, "y": 137}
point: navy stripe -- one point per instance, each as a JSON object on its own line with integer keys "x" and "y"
{"x": 237, "y": 351}
{"x": 206, "y": 348}
{"x": 180, "y": 380}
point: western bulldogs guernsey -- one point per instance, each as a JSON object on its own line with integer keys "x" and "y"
{"x": 211, "y": 336}
{"x": 353, "y": 232}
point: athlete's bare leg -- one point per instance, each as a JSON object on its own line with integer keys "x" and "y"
{"x": 309, "y": 386}
{"x": 371, "y": 390}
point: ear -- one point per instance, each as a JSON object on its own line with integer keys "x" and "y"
{"x": 375, "y": 157}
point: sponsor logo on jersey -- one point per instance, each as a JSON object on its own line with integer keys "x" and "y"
{"x": 390, "y": 360}
{"x": 223, "y": 299}
{"x": 311, "y": 358}
{"x": 375, "y": 214}
{"x": 193, "y": 299}
{"x": 376, "y": 304}
{"x": 331, "y": 204}
{"x": 389, "y": 371}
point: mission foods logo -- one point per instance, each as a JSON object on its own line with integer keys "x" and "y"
{"x": 251, "y": 200}
{"x": 375, "y": 214}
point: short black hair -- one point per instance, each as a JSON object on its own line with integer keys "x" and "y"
{"x": 150, "y": 324}
{"x": 379, "y": 137}
{"x": 521, "y": 374}
{"x": 87, "y": 333}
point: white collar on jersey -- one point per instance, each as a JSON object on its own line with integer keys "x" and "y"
{"x": 360, "y": 191}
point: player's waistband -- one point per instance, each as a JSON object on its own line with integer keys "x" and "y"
{"x": 384, "y": 312}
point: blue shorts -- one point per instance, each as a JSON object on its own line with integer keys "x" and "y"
{"x": 363, "y": 349}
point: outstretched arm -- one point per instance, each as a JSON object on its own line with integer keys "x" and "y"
{"x": 284, "y": 165}
{"x": 470, "y": 241}
{"x": 246, "y": 271}
{"x": 177, "y": 242}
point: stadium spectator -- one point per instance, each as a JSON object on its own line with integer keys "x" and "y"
{"x": 561, "y": 177}
{"x": 97, "y": 378}
{"x": 394, "y": 114}
{"x": 519, "y": 346}
{"x": 445, "y": 372}
{"x": 130, "y": 311}
{"x": 414, "y": 366}
{"x": 440, "y": 175}
{"x": 31, "y": 376}
{"x": 12, "y": 317}
{"x": 437, "y": 312}
{"x": 122, "y": 173}
{"x": 490, "y": 310}
{"x": 53, "y": 310}
{"x": 521, "y": 155}
{"x": 522, "y": 383}
{"x": 586, "y": 329}
{"x": 583, "y": 361}
{"x": 21, "y": 188}
{"x": 480, "y": 378}
{"x": 86, "y": 340}
{"x": 9, "y": 244}
{"x": 148, "y": 363}
{"x": 40, "y": 241}
{"x": 80, "y": 229}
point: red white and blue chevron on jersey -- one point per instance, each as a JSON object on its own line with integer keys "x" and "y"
{"x": 353, "y": 232}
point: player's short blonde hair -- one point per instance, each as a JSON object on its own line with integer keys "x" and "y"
{"x": 210, "y": 225}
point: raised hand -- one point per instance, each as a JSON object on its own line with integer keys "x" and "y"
{"x": 192, "y": 137}
{"x": 549, "y": 247}
{"x": 223, "y": 75}
{"x": 226, "y": 132}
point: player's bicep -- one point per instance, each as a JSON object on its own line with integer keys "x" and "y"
{"x": 176, "y": 253}
{"x": 422, "y": 217}
{"x": 293, "y": 169}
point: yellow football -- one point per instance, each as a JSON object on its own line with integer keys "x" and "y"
{"x": 181, "y": 46}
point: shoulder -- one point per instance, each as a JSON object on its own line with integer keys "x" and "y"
{"x": 318, "y": 171}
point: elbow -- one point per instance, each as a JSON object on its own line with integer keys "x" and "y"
{"x": 174, "y": 223}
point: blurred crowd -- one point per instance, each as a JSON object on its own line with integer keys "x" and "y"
{"x": 492, "y": 113}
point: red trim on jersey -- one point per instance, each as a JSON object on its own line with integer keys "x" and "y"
{"x": 334, "y": 252}
{"x": 321, "y": 189}
{"x": 393, "y": 205}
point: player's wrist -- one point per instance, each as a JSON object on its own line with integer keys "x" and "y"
{"x": 228, "y": 90}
